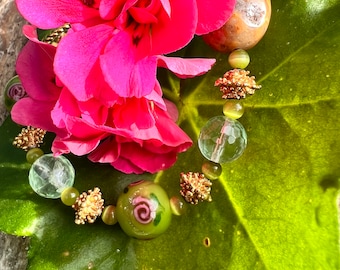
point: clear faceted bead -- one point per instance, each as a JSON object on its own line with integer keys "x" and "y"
{"x": 50, "y": 175}
{"x": 222, "y": 139}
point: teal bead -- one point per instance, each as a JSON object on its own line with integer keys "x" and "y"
{"x": 222, "y": 139}
{"x": 49, "y": 176}
{"x": 211, "y": 170}
{"x": 233, "y": 109}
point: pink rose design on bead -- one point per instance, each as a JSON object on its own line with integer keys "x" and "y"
{"x": 144, "y": 209}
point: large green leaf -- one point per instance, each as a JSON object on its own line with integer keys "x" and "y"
{"x": 274, "y": 208}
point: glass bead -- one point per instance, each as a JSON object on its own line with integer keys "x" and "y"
{"x": 177, "y": 206}
{"x": 33, "y": 154}
{"x": 109, "y": 215}
{"x": 211, "y": 170}
{"x": 143, "y": 210}
{"x": 239, "y": 59}
{"x": 222, "y": 139}
{"x": 50, "y": 175}
{"x": 233, "y": 109}
{"x": 69, "y": 196}
{"x": 13, "y": 92}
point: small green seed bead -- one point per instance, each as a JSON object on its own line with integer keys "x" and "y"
{"x": 239, "y": 59}
{"x": 33, "y": 154}
{"x": 177, "y": 206}
{"x": 233, "y": 109}
{"x": 109, "y": 215}
{"x": 69, "y": 196}
{"x": 211, "y": 170}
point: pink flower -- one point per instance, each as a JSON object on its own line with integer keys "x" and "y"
{"x": 111, "y": 36}
{"x": 133, "y": 134}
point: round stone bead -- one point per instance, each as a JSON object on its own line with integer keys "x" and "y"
{"x": 177, "y": 206}
{"x": 222, "y": 139}
{"x": 69, "y": 196}
{"x": 33, "y": 154}
{"x": 233, "y": 109}
{"x": 109, "y": 215}
{"x": 239, "y": 59}
{"x": 50, "y": 175}
{"x": 211, "y": 170}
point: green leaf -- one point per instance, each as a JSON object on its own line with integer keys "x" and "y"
{"x": 274, "y": 208}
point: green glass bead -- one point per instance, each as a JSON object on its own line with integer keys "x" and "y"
{"x": 33, "y": 154}
{"x": 109, "y": 215}
{"x": 13, "y": 92}
{"x": 222, "y": 139}
{"x": 239, "y": 59}
{"x": 69, "y": 196}
{"x": 177, "y": 206}
{"x": 49, "y": 175}
{"x": 211, "y": 170}
{"x": 233, "y": 109}
{"x": 143, "y": 210}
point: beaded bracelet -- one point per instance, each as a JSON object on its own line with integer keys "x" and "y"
{"x": 144, "y": 209}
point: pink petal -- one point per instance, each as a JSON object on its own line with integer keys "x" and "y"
{"x": 146, "y": 160}
{"x": 82, "y": 130}
{"x": 77, "y": 147}
{"x": 213, "y": 15}
{"x": 54, "y": 13}
{"x": 109, "y": 9}
{"x": 165, "y": 132}
{"x": 59, "y": 148}
{"x": 185, "y": 68}
{"x": 124, "y": 72}
{"x": 172, "y": 34}
{"x": 172, "y": 110}
{"x": 166, "y": 6}
{"x": 35, "y": 69}
{"x": 134, "y": 112}
{"x": 28, "y": 112}
{"x": 126, "y": 166}
{"x": 64, "y": 107}
{"x": 156, "y": 96}
{"x": 93, "y": 111}
{"x": 78, "y": 52}
{"x": 107, "y": 152}
{"x": 141, "y": 15}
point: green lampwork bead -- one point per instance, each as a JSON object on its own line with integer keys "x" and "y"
{"x": 33, "y": 154}
{"x": 109, "y": 215}
{"x": 211, "y": 170}
{"x": 143, "y": 210}
{"x": 233, "y": 109}
{"x": 69, "y": 196}
{"x": 13, "y": 92}
{"x": 239, "y": 59}
{"x": 177, "y": 206}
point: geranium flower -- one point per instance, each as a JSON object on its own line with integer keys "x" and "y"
{"x": 111, "y": 36}
{"x": 125, "y": 132}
